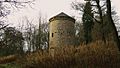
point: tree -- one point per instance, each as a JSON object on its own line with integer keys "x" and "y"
{"x": 79, "y": 33}
{"x": 29, "y": 34}
{"x": 36, "y": 37}
{"x": 42, "y": 36}
{"x": 103, "y": 26}
{"x": 5, "y": 9}
{"x": 101, "y": 19}
{"x": 87, "y": 22}
{"x": 111, "y": 22}
{"x": 94, "y": 15}
{"x": 13, "y": 42}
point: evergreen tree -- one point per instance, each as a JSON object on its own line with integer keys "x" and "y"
{"x": 87, "y": 22}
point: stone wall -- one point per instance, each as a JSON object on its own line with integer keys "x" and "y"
{"x": 62, "y": 32}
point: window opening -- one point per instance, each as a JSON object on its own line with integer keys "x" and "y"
{"x": 52, "y": 34}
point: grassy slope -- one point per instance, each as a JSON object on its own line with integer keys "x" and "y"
{"x": 94, "y": 55}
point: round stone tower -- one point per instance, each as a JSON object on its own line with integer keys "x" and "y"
{"x": 62, "y": 30}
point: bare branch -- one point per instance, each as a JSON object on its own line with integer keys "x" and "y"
{"x": 14, "y": 1}
{"x": 78, "y": 6}
{"x": 3, "y": 27}
{"x": 94, "y": 19}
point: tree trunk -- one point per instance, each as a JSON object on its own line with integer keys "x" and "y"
{"x": 111, "y": 22}
{"x": 101, "y": 19}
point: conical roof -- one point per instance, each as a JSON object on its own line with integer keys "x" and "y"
{"x": 61, "y": 15}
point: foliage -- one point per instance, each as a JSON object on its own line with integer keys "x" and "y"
{"x": 87, "y": 22}
{"x": 42, "y": 36}
{"x": 105, "y": 29}
{"x": 98, "y": 54}
{"x": 6, "y": 6}
{"x": 12, "y": 42}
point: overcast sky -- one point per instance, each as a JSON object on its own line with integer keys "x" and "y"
{"x": 49, "y": 8}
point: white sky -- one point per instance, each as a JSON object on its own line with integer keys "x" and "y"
{"x": 49, "y": 8}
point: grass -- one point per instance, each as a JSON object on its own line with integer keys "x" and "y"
{"x": 7, "y": 59}
{"x": 9, "y": 65}
{"x": 9, "y": 62}
{"x": 94, "y": 55}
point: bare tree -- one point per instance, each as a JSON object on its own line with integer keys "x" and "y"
{"x": 42, "y": 36}
{"x": 5, "y": 10}
{"x": 5, "y": 6}
{"x": 28, "y": 33}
